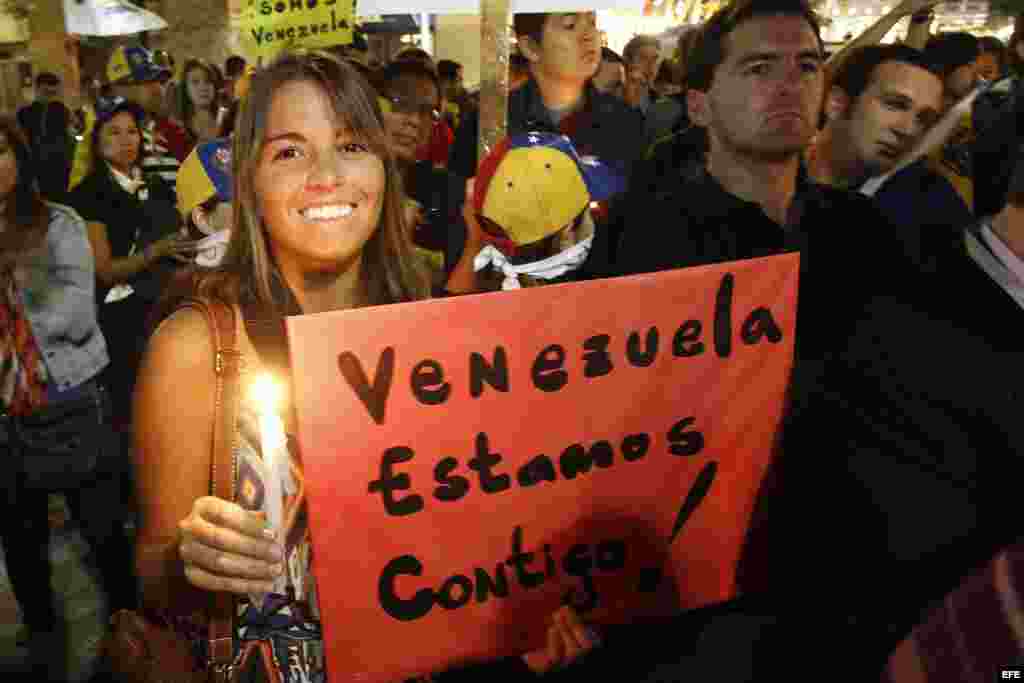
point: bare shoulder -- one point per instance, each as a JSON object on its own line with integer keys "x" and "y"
{"x": 183, "y": 339}
{"x": 177, "y": 379}
{"x": 174, "y": 410}
{"x": 175, "y": 407}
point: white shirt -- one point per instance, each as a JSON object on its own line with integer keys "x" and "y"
{"x": 1012, "y": 262}
{"x": 996, "y": 259}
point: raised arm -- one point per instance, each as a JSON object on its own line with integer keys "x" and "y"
{"x": 874, "y": 33}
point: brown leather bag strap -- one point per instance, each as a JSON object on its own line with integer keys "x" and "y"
{"x": 227, "y": 364}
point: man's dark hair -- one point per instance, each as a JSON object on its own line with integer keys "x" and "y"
{"x": 529, "y": 25}
{"x": 234, "y": 66}
{"x": 447, "y": 70}
{"x": 708, "y": 51}
{"x": 610, "y": 55}
{"x": 855, "y": 74}
{"x": 950, "y": 51}
{"x": 410, "y": 69}
{"x": 47, "y": 78}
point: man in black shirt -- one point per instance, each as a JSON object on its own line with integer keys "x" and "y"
{"x": 756, "y": 86}
{"x": 564, "y": 53}
{"x": 889, "y": 419}
{"x": 46, "y": 123}
{"x": 883, "y": 100}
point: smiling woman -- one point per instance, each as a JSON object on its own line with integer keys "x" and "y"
{"x": 318, "y": 227}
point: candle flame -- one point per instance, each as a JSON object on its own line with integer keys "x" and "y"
{"x": 268, "y": 393}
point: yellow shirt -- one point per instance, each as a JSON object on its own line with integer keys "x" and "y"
{"x": 82, "y": 162}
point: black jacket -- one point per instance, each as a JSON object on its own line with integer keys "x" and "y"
{"x": 688, "y": 219}
{"x": 848, "y": 255}
{"x": 129, "y": 221}
{"x": 927, "y": 212}
{"x": 996, "y": 147}
{"x": 441, "y": 194}
{"x": 610, "y": 130}
{"x": 46, "y": 126}
{"x": 922, "y": 407}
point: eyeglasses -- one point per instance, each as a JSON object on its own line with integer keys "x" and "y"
{"x": 409, "y": 105}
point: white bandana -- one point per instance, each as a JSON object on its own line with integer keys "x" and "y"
{"x": 211, "y": 249}
{"x": 548, "y": 269}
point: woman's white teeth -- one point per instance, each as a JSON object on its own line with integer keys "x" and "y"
{"x": 327, "y": 213}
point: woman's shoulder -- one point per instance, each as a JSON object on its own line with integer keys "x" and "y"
{"x": 183, "y": 341}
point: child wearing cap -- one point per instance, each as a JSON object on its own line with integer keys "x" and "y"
{"x": 528, "y": 214}
{"x": 204, "y": 199}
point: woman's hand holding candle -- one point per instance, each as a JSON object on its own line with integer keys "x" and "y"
{"x": 228, "y": 549}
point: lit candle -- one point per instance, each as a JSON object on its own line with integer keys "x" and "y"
{"x": 274, "y": 451}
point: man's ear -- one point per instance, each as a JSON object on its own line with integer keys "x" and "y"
{"x": 697, "y": 107}
{"x": 837, "y": 103}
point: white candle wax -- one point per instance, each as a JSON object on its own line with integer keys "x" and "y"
{"x": 274, "y": 452}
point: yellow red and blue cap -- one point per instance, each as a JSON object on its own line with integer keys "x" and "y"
{"x": 534, "y": 184}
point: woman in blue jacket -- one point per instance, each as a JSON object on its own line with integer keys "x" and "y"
{"x": 51, "y": 351}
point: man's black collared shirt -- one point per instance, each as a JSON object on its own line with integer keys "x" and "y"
{"x": 846, "y": 244}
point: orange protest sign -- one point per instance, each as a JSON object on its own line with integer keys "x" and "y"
{"x": 473, "y": 462}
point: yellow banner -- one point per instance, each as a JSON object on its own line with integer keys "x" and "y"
{"x": 268, "y": 26}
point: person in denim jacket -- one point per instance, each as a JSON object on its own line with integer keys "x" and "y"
{"x": 51, "y": 351}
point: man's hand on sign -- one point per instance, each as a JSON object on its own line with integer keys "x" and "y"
{"x": 568, "y": 640}
{"x": 228, "y": 549}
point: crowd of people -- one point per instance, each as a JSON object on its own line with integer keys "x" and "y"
{"x": 319, "y": 183}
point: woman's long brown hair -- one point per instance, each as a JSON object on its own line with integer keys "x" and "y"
{"x": 25, "y": 215}
{"x": 390, "y": 270}
{"x": 186, "y": 108}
